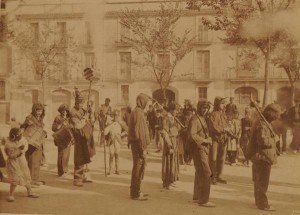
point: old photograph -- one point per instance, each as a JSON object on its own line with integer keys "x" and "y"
{"x": 150, "y": 107}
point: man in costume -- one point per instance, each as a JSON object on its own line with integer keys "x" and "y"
{"x": 82, "y": 131}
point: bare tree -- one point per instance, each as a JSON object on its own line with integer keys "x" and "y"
{"x": 47, "y": 48}
{"x": 235, "y": 16}
{"x": 286, "y": 56}
{"x": 155, "y": 36}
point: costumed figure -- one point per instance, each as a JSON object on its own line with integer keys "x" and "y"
{"x": 35, "y": 135}
{"x": 63, "y": 138}
{"x": 82, "y": 131}
{"x": 17, "y": 169}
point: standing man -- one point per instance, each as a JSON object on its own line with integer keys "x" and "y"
{"x": 200, "y": 143}
{"x": 231, "y": 108}
{"x": 138, "y": 139}
{"x": 81, "y": 130}
{"x": 263, "y": 154}
{"x": 218, "y": 127}
{"x": 293, "y": 117}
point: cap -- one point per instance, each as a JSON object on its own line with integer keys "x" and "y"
{"x": 274, "y": 107}
{"x": 63, "y": 107}
{"x": 220, "y": 100}
{"x": 78, "y": 96}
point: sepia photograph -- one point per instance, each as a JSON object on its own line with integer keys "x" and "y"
{"x": 149, "y": 107}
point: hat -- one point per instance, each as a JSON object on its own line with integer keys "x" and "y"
{"x": 274, "y": 107}
{"x": 78, "y": 96}
{"x": 14, "y": 133}
{"x": 37, "y": 106}
{"x": 107, "y": 99}
{"x": 63, "y": 107}
{"x": 202, "y": 102}
{"x": 220, "y": 100}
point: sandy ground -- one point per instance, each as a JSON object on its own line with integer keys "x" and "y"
{"x": 110, "y": 195}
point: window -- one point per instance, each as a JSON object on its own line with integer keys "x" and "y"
{"x": 88, "y": 33}
{"x": 125, "y": 94}
{"x": 2, "y": 90}
{"x": 2, "y": 28}
{"x": 3, "y": 4}
{"x": 35, "y": 30}
{"x": 202, "y": 32}
{"x": 203, "y": 63}
{"x": 125, "y": 65}
{"x": 62, "y": 29}
{"x": 124, "y": 32}
{"x": 90, "y": 60}
{"x": 243, "y": 94}
{"x": 163, "y": 64}
{"x": 202, "y": 92}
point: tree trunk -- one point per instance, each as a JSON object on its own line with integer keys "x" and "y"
{"x": 267, "y": 81}
{"x": 293, "y": 92}
{"x": 43, "y": 88}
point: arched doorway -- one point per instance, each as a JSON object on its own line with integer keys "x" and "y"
{"x": 158, "y": 95}
{"x": 60, "y": 97}
{"x": 243, "y": 95}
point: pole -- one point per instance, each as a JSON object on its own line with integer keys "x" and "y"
{"x": 105, "y": 158}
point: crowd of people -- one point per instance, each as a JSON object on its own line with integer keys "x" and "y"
{"x": 207, "y": 135}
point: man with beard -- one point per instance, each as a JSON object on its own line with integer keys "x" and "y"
{"x": 138, "y": 139}
{"x": 82, "y": 131}
{"x": 218, "y": 127}
{"x": 200, "y": 144}
{"x": 35, "y": 135}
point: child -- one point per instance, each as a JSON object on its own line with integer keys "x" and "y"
{"x": 115, "y": 131}
{"x": 17, "y": 169}
{"x": 234, "y": 136}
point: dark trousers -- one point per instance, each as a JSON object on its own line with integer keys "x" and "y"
{"x": 138, "y": 171}
{"x": 34, "y": 159}
{"x": 284, "y": 135}
{"x": 217, "y": 157}
{"x": 232, "y": 155}
{"x": 261, "y": 175}
{"x": 63, "y": 159}
{"x": 202, "y": 175}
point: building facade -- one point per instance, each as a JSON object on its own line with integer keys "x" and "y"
{"x": 211, "y": 69}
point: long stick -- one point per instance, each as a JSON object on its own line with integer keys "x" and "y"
{"x": 177, "y": 120}
{"x": 105, "y": 157}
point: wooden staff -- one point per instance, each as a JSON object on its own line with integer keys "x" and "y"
{"x": 176, "y": 119}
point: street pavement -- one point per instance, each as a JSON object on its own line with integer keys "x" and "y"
{"x": 110, "y": 195}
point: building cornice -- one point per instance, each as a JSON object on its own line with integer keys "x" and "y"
{"x": 203, "y": 12}
{"x": 41, "y": 16}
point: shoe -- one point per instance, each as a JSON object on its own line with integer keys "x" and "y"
{"x": 195, "y": 200}
{"x": 78, "y": 183}
{"x": 44, "y": 165}
{"x": 168, "y": 188}
{"x": 10, "y": 199}
{"x": 208, "y": 205}
{"x": 117, "y": 173}
{"x": 144, "y": 194}
{"x": 139, "y": 198}
{"x": 38, "y": 183}
{"x": 34, "y": 186}
{"x": 108, "y": 173}
{"x": 33, "y": 195}
{"x": 85, "y": 180}
{"x": 173, "y": 185}
{"x": 86, "y": 170}
{"x": 269, "y": 208}
{"x": 233, "y": 164}
{"x": 222, "y": 181}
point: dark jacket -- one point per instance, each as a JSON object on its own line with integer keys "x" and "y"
{"x": 217, "y": 122}
{"x": 138, "y": 132}
{"x": 197, "y": 131}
